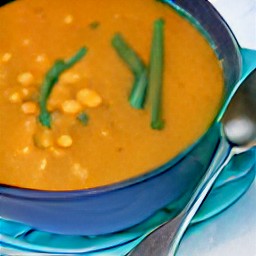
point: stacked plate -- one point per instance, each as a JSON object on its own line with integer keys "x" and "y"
{"x": 17, "y": 238}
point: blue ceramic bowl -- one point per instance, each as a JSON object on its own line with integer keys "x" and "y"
{"x": 117, "y": 207}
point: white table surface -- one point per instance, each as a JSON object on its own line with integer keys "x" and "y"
{"x": 231, "y": 233}
{"x": 241, "y": 18}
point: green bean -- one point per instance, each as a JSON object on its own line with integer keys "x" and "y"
{"x": 137, "y": 67}
{"x": 131, "y": 58}
{"x": 156, "y": 75}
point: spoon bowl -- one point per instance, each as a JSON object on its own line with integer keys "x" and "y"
{"x": 239, "y": 120}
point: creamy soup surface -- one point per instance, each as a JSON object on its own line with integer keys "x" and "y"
{"x": 117, "y": 141}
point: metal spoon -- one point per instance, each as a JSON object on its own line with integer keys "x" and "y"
{"x": 239, "y": 135}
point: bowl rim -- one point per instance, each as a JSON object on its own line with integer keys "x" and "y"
{"x": 66, "y": 194}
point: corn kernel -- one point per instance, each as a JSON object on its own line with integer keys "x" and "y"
{"x": 68, "y": 19}
{"x": 29, "y": 108}
{"x": 71, "y": 107}
{"x": 43, "y": 138}
{"x": 15, "y": 98}
{"x": 89, "y": 98}
{"x": 25, "y": 79}
{"x": 6, "y": 57}
{"x": 70, "y": 77}
{"x": 65, "y": 141}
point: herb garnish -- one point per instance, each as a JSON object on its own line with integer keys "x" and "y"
{"x": 83, "y": 118}
{"x": 94, "y": 25}
{"x": 51, "y": 78}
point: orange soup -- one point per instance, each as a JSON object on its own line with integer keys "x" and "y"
{"x": 95, "y": 136}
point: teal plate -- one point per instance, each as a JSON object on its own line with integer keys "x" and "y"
{"x": 17, "y": 238}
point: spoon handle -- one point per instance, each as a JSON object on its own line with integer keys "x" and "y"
{"x": 165, "y": 239}
{"x": 221, "y": 159}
